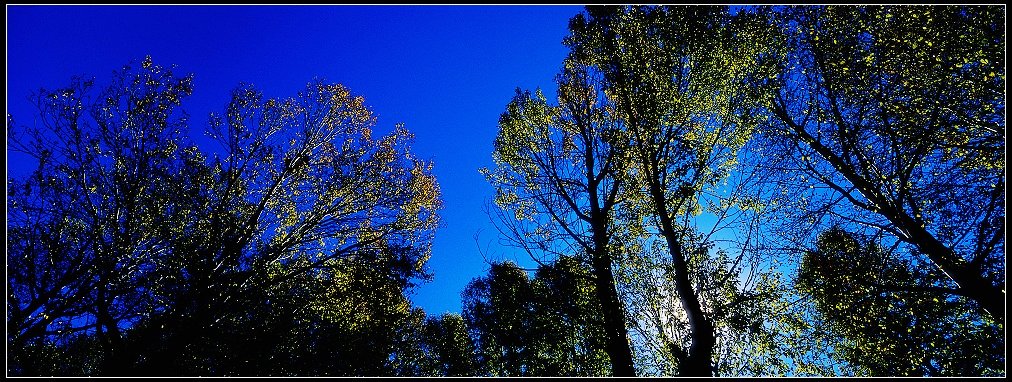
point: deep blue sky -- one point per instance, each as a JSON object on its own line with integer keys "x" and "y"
{"x": 446, "y": 72}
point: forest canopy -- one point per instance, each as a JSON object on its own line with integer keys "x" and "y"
{"x": 757, "y": 191}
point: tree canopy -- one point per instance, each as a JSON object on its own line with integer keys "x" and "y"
{"x": 890, "y": 317}
{"x": 711, "y": 191}
{"x": 897, "y": 113}
{"x": 170, "y": 260}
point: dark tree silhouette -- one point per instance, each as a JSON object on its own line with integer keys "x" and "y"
{"x": 545, "y": 326}
{"x": 129, "y": 234}
{"x": 450, "y": 346}
{"x": 84, "y": 241}
{"x": 557, "y": 187}
{"x": 897, "y": 113}
{"x": 681, "y": 81}
{"x": 889, "y": 313}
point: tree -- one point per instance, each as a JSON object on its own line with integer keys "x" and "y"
{"x": 682, "y": 80}
{"x": 450, "y": 346}
{"x": 83, "y": 225}
{"x": 127, "y": 233}
{"x": 302, "y": 183}
{"x": 568, "y": 318}
{"x": 746, "y": 303}
{"x": 550, "y": 325}
{"x": 351, "y": 319}
{"x": 897, "y": 114}
{"x": 496, "y": 309}
{"x": 889, "y": 316}
{"x": 557, "y": 191}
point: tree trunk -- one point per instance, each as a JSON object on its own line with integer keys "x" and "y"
{"x": 113, "y": 360}
{"x": 614, "y": 318}
{"x": 698, "y": 363}
{"x": 971, "y": 282}
{"x": 699, "y": 359}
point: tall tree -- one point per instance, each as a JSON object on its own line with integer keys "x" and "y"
{"x": 302, "y": 183}
{"x": 84, "y": 225}
{"x": 745, "y": 301}
{"x": 556, "y": 186}
{"x": 497, "y": 310}
{"x": 568, "y": 318}
{"x": 897, "y": 114}
{"x": 679, "y": 78}
{"x": 127, "y": 233}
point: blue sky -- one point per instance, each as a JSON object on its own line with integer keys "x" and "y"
{"x": 446, "y": 72}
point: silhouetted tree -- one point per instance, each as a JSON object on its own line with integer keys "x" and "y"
{"x": 450, "y": 346}
{"x": 175, "y": 263}
{"x": 896, "y": 114}
{"x": 889, "y": 315}
{"x": 557, "y": 186}
{"x": 83, "y": 242}
{"x": 682, "y": 81}
{"x": 549, "y": 325}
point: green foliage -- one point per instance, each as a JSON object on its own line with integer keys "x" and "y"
{"x": 884, "y": 118}
{"x": 684, "y": 82}
{"x": 897, "y": 114}
{"x": 945, "y": 65}
{"x": 450, "y": 344}
{"x": 290, "y": 250}
{"x": 744, "y": 305}
{"x": 555, "y": 174}
{"x": 557, "y": 179}
{"x": 677, "y": 77}
{"x": 71, "y": 356}
{"x": 891, "y": 318}
{"x": 83, "y": 225}
{"x": 550, "y": 325}
{"x": 570, "y": 320}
